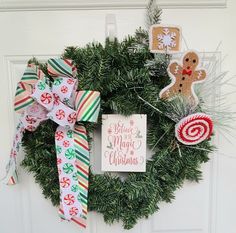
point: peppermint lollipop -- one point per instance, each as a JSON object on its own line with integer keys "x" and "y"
{"x": 194, "y": 129}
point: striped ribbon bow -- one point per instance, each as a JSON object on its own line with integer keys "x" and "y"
{"x": 69, "y": 108}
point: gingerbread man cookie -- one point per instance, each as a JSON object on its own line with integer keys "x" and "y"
{"x": 183, "y": 78}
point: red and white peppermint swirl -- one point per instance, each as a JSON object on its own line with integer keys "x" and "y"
{"x": 69, "y": 199}
{"x": 65, "y": 182}
{"x": 59, "y": 161}
{"x": 70, "y": 81}
{"x": 60, "y": 114}
{"x": 56, "y": 99}
{"x": 66, "y": 143}
{"x": 72, "y": 118}
{"x": 59, "y": 135}
{"x": 73, "y": 211}
{"x": 30, "y": 119}
{"x": 64, "y": 89}
{"x": 194, "y": 129}
{"x": 46, "y": 98}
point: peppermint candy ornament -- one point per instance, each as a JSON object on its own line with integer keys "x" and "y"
{"x": 194, "y": 128}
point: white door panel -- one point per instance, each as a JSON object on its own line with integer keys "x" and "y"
{"x": 197, "y": 208}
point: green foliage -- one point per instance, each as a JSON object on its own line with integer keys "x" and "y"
{"x": 153, "y": 13}
{"x": 122, "y": 72}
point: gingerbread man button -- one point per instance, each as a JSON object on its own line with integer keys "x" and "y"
{"x": 183, "y": 78}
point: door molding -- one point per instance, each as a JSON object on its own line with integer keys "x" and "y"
{"x": 53, "y": 5}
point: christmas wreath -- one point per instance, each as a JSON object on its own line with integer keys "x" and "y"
{"x": 129, "y": 78}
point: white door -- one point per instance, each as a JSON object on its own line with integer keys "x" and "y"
{"x": 207, "y": 207}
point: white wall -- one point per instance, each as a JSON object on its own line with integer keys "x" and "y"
{"x": 203, "y": 30}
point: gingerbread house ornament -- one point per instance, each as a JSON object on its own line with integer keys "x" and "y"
{"x": 164, "y": 39}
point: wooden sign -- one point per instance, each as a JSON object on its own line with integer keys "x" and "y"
{"x": 124, "y": 143}
{"x": 164, "y": 39}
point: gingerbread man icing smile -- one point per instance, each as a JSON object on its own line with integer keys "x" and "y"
{"x": 183, "y": 78}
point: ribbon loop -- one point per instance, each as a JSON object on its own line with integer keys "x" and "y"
{"x": 59, "y": 67}
{"x": 22, "y": 97}
{"x": 87, "y": 104}
{"x": 25, "y": 87}
{"x": 32, "y": 74}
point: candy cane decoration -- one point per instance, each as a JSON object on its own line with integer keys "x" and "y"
{"x": 194, "y": 129}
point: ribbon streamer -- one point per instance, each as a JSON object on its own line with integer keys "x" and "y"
{"x": 37, "y": 102}
{"x": 32, "y": 114}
